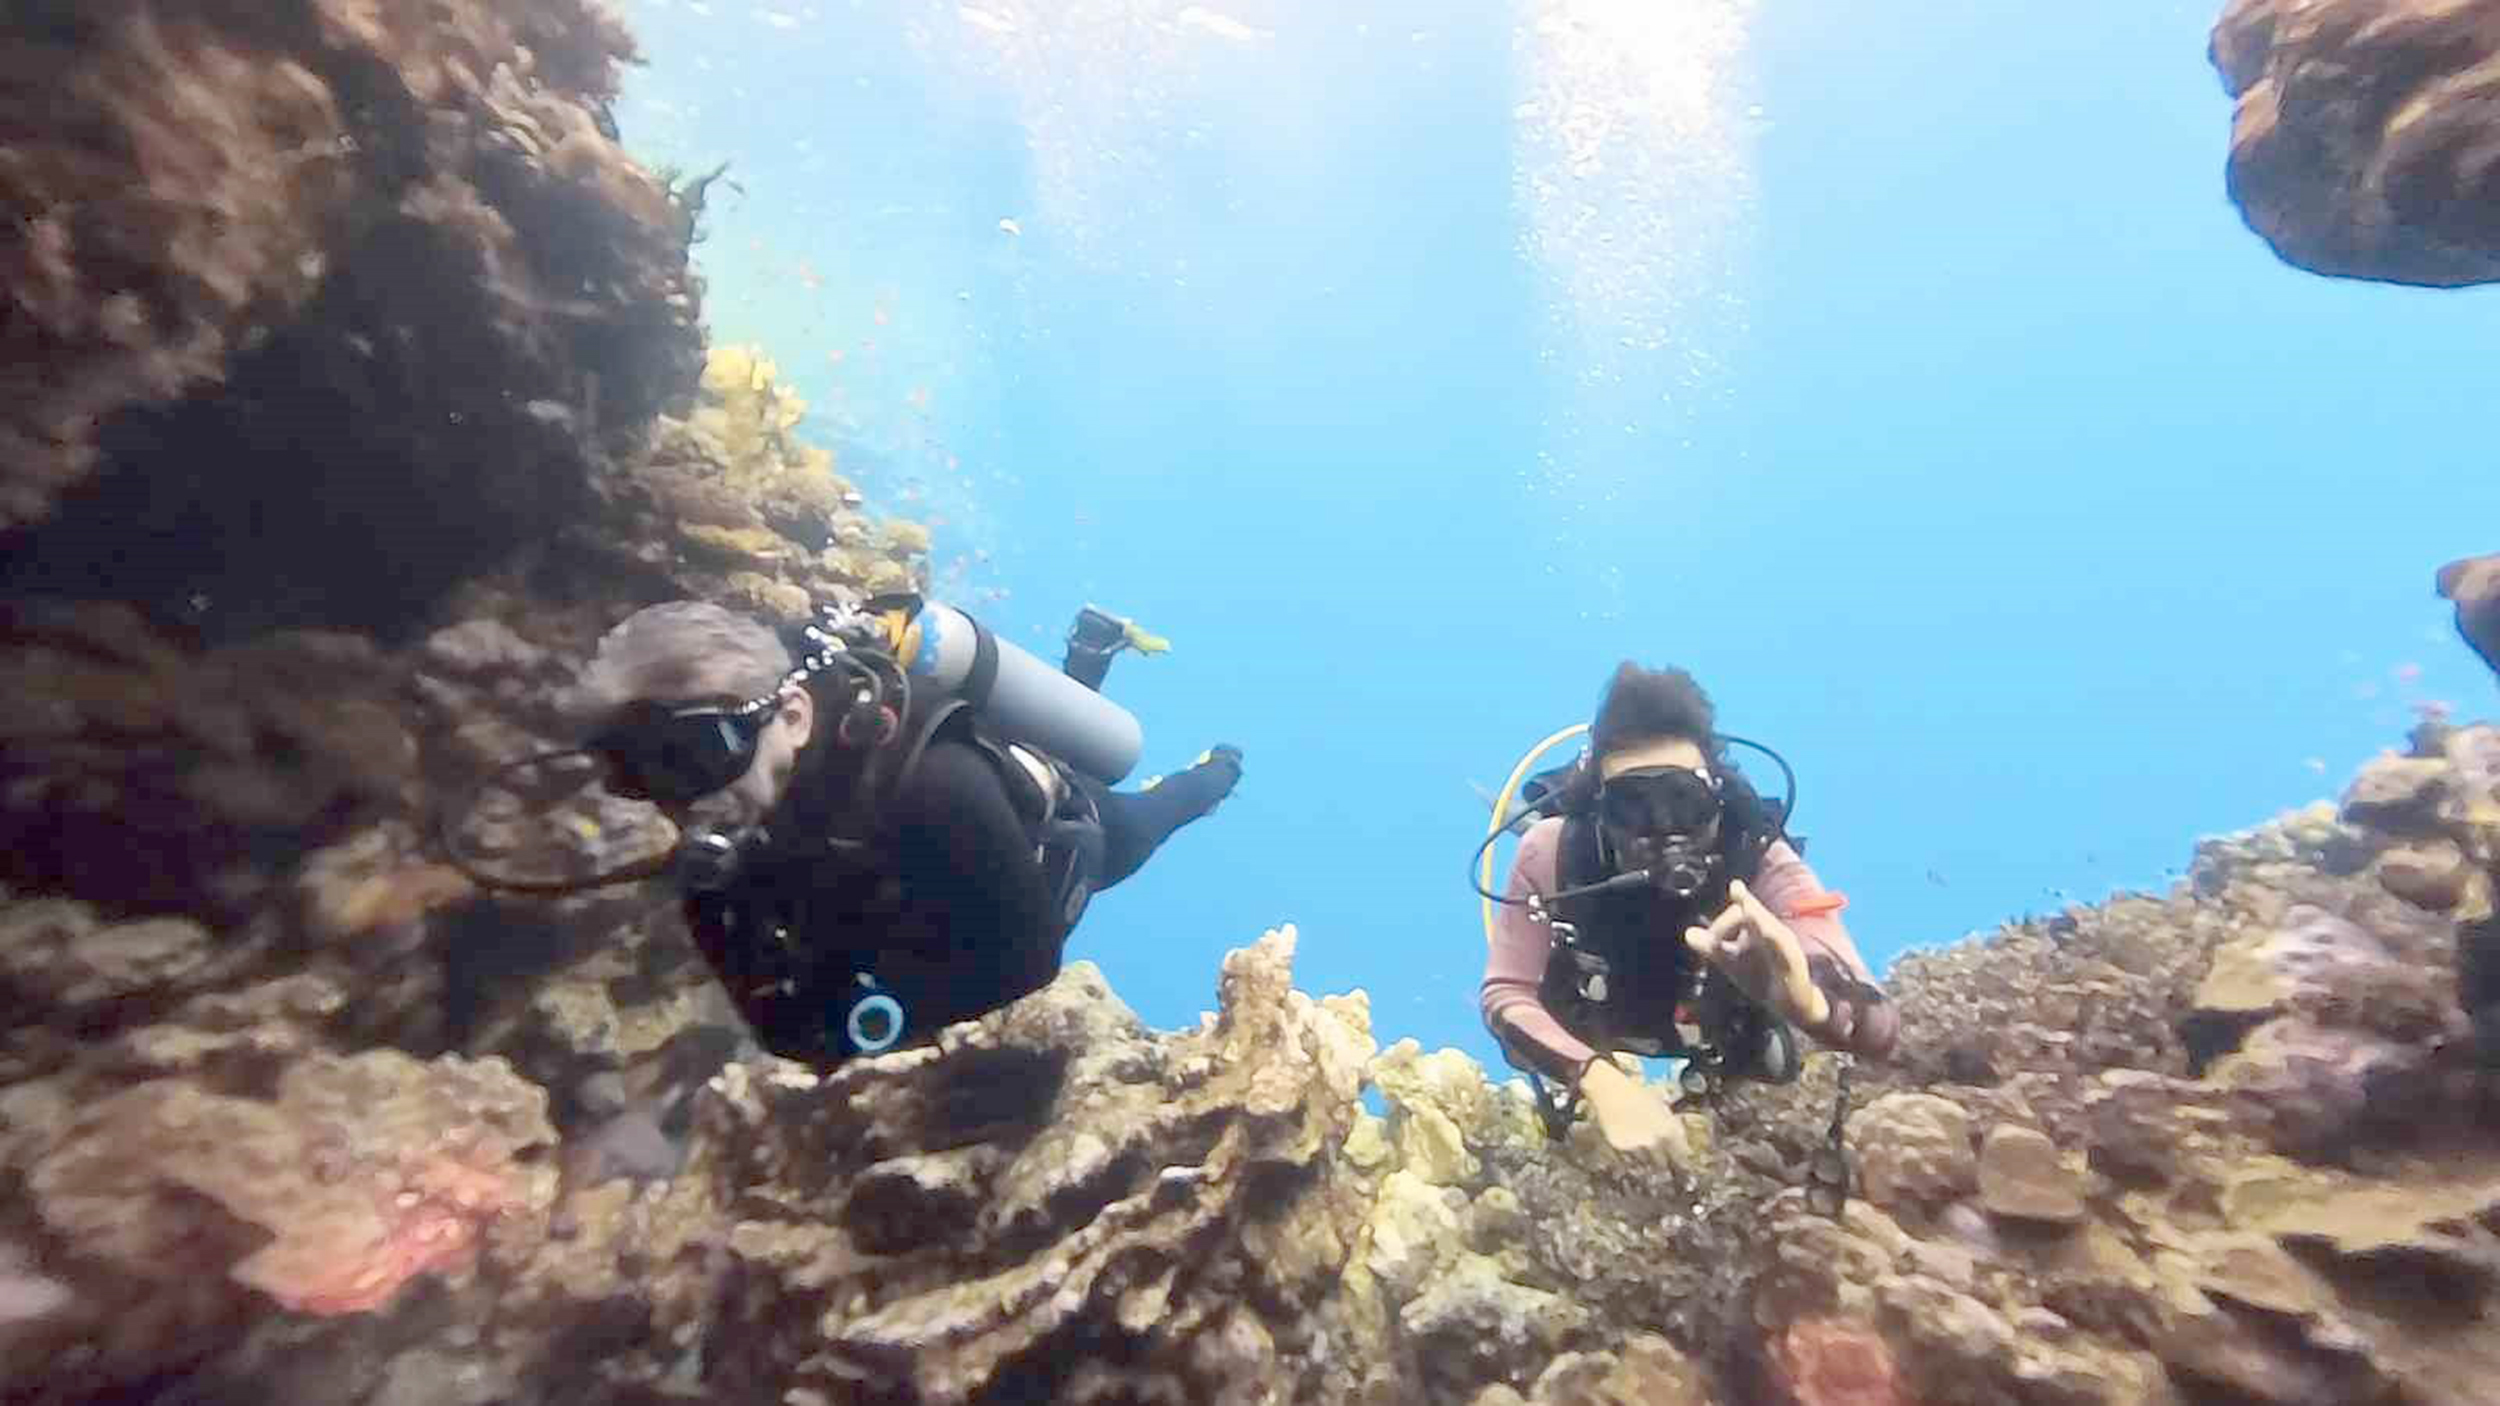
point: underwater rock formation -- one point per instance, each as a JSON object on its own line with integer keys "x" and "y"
{"x": 2246, "y": 1125}
{"x": 2473, "y": 584}
{"x": 165, "y": 778}
{"x": 2232, "y": 1142}
{"x": 2366, "y": 143}
{"x": 736, "y": 507}
{"x": 337, "y": 326}
{"x": 190, "y": 1210}
{"x": 1057, "y": 1205}
{"x": 365, "y": 289}
{"x": 357, "y": 318}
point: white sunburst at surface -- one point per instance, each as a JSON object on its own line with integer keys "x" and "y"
{"x": 1634, "y": 178}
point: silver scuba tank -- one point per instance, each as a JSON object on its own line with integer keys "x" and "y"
{"x": 1026, "y": 699}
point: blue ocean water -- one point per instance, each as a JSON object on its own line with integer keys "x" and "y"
{"x": 1908, "y": 376}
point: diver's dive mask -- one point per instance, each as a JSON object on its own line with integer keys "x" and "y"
{"x": 673, "y": 756}
{"x": 1663, "y": 821}
{"x": 667, "y": 756}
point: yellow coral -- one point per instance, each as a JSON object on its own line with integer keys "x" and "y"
{"x": 853, "y": 564}
{"x": 906, "y": 537}
{"x": 751, "y": 416}
{"x": 736, "y": 370}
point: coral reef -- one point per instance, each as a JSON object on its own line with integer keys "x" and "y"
{"x": 738, "y": 507}
{"x": 281, "y": 1094}
{"x": 364, "y": 289}
{"x": 2228, "y": 1143}
{"x": 191, "y": 1209}
{"x": 337, "y": 325}
{"x": 355, "y": 386}
{"x": 165, "y": 778}
{"x": 2223, "y": 1215}
{"x": 1151, "y": 1218}
{"x": 2365, "y": 143}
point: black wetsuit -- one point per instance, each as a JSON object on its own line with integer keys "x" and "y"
{"x": 976, "y": 903}
{"x": 953, "y": 913}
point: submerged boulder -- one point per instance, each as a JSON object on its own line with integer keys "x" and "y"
{"x": 2366, "y": 142}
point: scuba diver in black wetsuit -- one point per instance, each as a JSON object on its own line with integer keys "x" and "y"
{"x": 896, "y": 833}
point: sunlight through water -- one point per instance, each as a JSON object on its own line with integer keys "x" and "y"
{"x": 1633, "y": 172}
{"x": 1096, "y": 84}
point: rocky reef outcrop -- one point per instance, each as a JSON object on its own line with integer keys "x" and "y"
{"x": 355, "y": 381}
{"x": 2215, "y": 1146}
{"x": 730, "y": 503}
{"x": 319, "y": 308}
{"x": 2366, "y": 141}
{"x": 2229, "y": 1143}
{"x": 332, "y": 326}
{"x": 320, "y": 314}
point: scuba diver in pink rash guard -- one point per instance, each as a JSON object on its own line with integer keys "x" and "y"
{"x": 1657, "y": 907}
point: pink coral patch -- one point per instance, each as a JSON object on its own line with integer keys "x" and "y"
{"x": 1830, "y": 1362}
{"x": 432, "y": 1224}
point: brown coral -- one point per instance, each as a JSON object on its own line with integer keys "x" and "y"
{"x": 360, "y": 287}
{"x": 2367, "y": 138}
{"x": 2240, "y": 1230}
{"x": 1113, "y": 1185}
{"x": 2473, "y": 583}
{"x": 202, "y": 201}
{"x": 150, "y": 775}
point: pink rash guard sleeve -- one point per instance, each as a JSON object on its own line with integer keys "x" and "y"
{"x": 1515, "y": 964}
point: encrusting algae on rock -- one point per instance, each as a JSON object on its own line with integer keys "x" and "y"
{"x": 749, "y": 412}
{"x": 757, "y": 512}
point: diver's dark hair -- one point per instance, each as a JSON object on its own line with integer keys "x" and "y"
{"x": 1643, "y": 703}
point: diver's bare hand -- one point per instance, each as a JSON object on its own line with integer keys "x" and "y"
{"x": 1766, "y": 959}
{"x": 1633, "y": 1118}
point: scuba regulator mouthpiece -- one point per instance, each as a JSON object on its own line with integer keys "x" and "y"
{"x": 1678, "y": 874}
{"x": 1661, "y": 826}
{"x": 1676, "y": 867}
